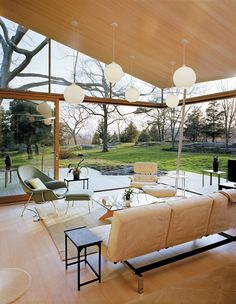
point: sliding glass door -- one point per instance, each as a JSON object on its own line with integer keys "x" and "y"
{"x": 27, "y": 137}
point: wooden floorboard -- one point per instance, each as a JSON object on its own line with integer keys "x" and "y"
{"x": 26, "y": 244}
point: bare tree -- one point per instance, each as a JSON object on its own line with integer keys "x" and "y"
{"x": 93, "y": 71}
{"x": 74, "y": 120}
{"x": 228, "y": 111}
{"x": 10, "y": 45}
{"x": 174, "y": 116}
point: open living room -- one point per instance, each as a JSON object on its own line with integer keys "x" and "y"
{"x": 117, "y": 151}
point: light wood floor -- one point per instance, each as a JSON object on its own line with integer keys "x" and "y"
{"x": 26, "y": 244}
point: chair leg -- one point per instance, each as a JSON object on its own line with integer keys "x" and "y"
{"x": 26, "y": 204}
{"x": 89, "y": 206}
{"x": 67, "y": 207}
{"x": 37, "y": 216}
{"x": 54, "y": 207}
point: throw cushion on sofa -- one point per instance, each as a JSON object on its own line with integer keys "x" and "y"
{"x": 36, "y": 183}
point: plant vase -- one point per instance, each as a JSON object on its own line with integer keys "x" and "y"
{"x": 76, "y": 174}
{"x": 127, "y": 202}
{"x": 215, "y": 164}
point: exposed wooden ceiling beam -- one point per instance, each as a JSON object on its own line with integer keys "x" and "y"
{"x": 15, "y": 94}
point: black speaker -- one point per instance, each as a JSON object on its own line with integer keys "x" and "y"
{"x": 231, "y": 170}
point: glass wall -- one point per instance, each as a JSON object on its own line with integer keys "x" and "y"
{"x": 26, "y": 138}
{"x": 24, "y": 61}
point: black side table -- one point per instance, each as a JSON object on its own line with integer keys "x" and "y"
{"x": 86, "y": 179}
{"x": 83, "y": 238}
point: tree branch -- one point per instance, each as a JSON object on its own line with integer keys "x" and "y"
{"x": 27, "y": 59}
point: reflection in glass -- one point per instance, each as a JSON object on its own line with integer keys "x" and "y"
{"x": 26, "y": 138}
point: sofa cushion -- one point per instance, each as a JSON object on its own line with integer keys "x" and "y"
{"x": 102, "y": 232}
{"x": 223, "y": 214}
{"x": 189, "y": 219}
{"x": 137, "y": 231}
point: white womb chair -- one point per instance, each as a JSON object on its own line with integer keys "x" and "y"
{"x": 145, "y": 174}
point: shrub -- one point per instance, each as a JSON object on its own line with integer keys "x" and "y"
{"x": 65, "y": 154}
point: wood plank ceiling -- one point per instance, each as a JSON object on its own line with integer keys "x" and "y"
{"x": 151, "y": 30}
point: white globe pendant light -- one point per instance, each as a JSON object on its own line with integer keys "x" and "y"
{"x": 74, "y": 94}
{"x": 47, "y": 115}
{"x": 47, "y": 121}
{"x": 113, "y": 72}
{"x": 43, "y": 108}
{"x": 132, "y": 94}
{"x": 172, "y": 101}
{"x": 184, "y": 77}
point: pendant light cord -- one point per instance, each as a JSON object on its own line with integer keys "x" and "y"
{"x": 184, "y": 42}
{"x": 131, "y": 68}
{"x": 74, "y": 23}
{"x": 172, "y": 63}
{"x": 73, "y": 66}
{"x": 114, "y": 25}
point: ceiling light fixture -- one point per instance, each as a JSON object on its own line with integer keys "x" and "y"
{"x": 43, "y": 108}
{"x": 74, "y": 94}
{"x": 184, "y": 77}
{"x": 172, "y": 100}
{"x": 113, "y": 72}
{"x": 132, "y": 94}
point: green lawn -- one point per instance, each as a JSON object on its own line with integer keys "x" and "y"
{"x": 166, "y": 160}
{"x": 126, "y": 154}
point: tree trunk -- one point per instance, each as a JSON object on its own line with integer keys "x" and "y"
{"x": 75, "y": 139}
{"x": 227, "y": 141}
{"x": 36, "y": 148}
{"x": 29, "y": 150}
{"x": 105, "y": 129}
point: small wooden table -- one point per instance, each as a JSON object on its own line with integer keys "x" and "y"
{"x": 83, "y": 238}
{"x": 211, "y": 172}
{"x": 78, "y": 180}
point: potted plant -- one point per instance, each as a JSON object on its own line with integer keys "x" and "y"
{"x": 75, "y": 169}
{"x": 128, "y": 194}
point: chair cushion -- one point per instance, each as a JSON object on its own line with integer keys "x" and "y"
{"x": 145, "y": 178}
{"x": 78, "y": 196}
{"x": 140, "y": 185}
{"x": 145, "y": 167}
{"x": 36, "y": 183}
{"x": 160, "y": 190}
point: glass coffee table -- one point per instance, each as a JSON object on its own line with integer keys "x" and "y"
{"x": 116, "y": 202}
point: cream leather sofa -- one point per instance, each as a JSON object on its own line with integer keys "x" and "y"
{"x": 145, "y": 173}
{"x": 141, "y": 230}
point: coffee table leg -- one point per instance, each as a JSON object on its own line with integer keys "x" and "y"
{"x": 108, "y": 214}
